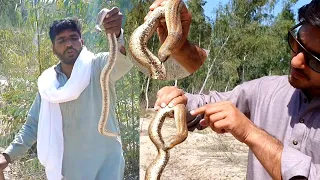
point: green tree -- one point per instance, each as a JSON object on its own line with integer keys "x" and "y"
{"x": 200, "y": 34}
{"x": 244, "y": 44}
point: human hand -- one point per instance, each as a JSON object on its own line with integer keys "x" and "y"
{"x": 171, "y": 96}
{"x": 224, "y": 117}
{"x": 4, "y": 161}
{"x": 162, "y": 28}
{"x": 113, "y": 21}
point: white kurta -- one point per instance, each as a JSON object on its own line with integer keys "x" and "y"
{"x": 88, "y": 155}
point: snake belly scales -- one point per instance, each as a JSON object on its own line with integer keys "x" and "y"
{"x": 104, "y": 76}
{"x": 140, "y": 37}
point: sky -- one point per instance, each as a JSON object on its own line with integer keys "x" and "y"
{"x": 212, "y": 4}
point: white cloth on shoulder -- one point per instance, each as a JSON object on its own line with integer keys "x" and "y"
{"x": 50, "y": 140}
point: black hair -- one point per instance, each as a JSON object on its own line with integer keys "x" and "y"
{"x": 310, "y": 13}
{"x": 59, "y": 26}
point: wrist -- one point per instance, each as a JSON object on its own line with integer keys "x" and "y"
{"x": 254, "y": 136}
{"x": 120, "y": 39}
{"x": 120, "y": 42}
{"x": 177, "y": 52}
{"x": 190, "y": 56}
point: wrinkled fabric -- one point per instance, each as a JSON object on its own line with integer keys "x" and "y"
{"x": 282, "y": 111}
{"x": 50, "y": 136}
{"x": 88, "y": 155}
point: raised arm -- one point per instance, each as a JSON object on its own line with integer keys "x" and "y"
{"x": 190, "y": 56}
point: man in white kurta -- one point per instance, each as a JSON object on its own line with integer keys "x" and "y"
{"x": 87, "y": 154}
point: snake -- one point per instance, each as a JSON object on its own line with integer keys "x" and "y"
{"x": 140, "y": 37}
{"x": 156, "y": 168}
{"x": 104, "y": 76}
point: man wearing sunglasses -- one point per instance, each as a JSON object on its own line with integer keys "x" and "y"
{"x": 278, "y": 117}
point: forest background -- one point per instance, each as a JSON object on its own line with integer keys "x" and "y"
{"x": 245, "y": 38}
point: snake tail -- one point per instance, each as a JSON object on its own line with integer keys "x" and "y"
{"x": 156, "y": 168}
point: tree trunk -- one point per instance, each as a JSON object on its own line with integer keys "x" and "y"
{"x": 211, "y": 66}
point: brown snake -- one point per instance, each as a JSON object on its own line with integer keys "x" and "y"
{"x": 140, "y": 37}
{"x": 104, "y": 77}
{"x": 156, "y": 168}
{"x": 143, "y": 56}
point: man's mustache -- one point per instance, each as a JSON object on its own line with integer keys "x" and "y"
{"x": 71, "y": 48}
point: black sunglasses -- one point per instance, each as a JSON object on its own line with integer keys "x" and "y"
{"x": 311, "y": 60}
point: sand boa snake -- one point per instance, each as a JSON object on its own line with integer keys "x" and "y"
{"x": 155, "y": 169}
{"x": 104, "y": 77}
{"x": 139, "y": 38}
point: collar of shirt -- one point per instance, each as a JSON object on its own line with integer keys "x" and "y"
{"x": 59, "y": 72}
{"x": 305, "y": 99}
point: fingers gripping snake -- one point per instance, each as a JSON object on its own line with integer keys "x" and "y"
{"x": 140, "y": 37}
{"x": 156, "y": 168}
{"x": 104, "y": 77}
{"x": 140, "y": 52}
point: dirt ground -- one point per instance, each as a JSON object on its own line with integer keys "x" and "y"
{"x": 203, "y": 155}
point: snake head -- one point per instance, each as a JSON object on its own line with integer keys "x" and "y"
{"x": 101, "y": 15}
{"x": 163, "y": 55}
{"x": 169, "y": 45}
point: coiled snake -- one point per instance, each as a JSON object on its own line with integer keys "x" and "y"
{"x": 139, "y": 38}
{"x": 155, "y": 169}
{"x": 104, "y": 77}
{"x": 142, "y": 55}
